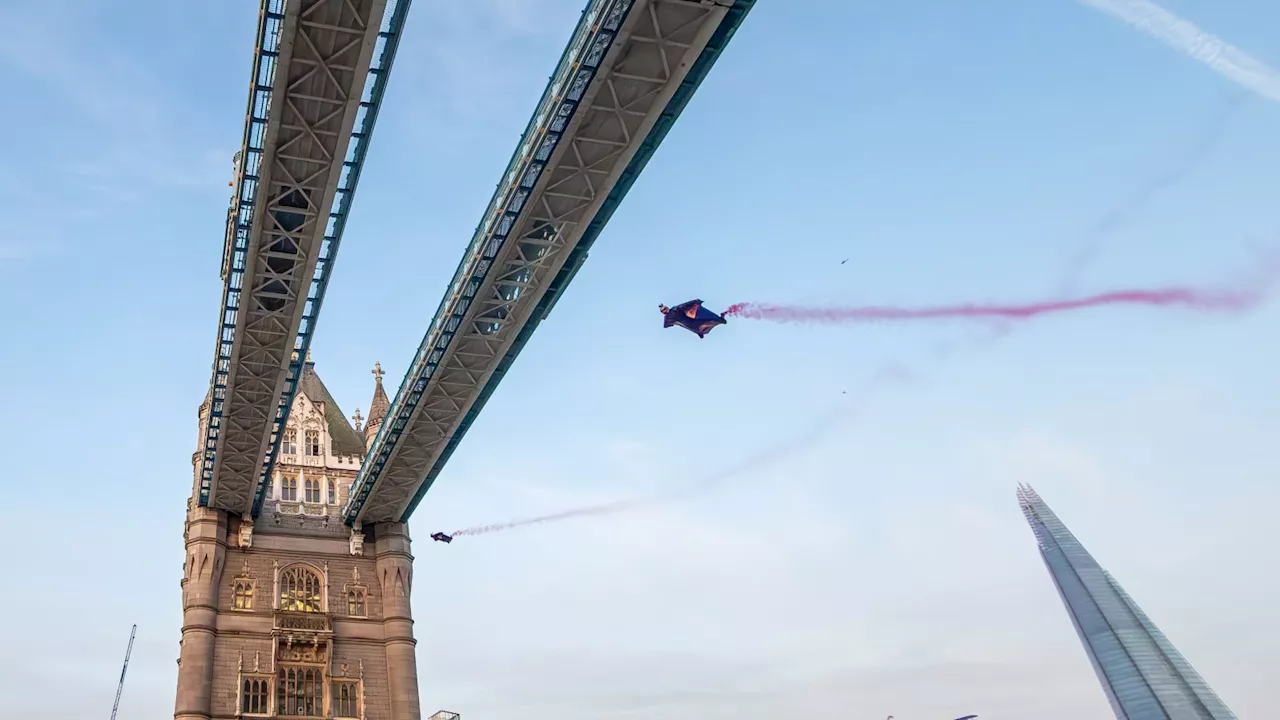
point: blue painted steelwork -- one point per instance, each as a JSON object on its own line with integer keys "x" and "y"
{"x": 384, "y": 53}
{"x": 270, "y": 25}
{"x": 679, "y": 100}
{"x": 580, "y": 60}
{"x": 375, "y": 87}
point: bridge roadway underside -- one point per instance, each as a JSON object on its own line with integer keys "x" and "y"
{"x": 321, "y": 57}
{"x": 541, "y": 230}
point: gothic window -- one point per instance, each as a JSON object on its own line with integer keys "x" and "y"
{"x": 243, "y": 595}
{"x": 254, "y": 692}
{"x": 356, "y": 603}
{"x": 290, "y": 442}
{"x": 300, "y": 590}
{"x": 333, "y": 493}
{"x": 346, "y": 700}
{"x": 299, "y": 691}
{"x": 313, "y": 490}
{"x": 289, "y": 488}
{"x": 312, "y": 441}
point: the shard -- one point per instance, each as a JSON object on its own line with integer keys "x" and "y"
{"x": 1143, "y": 675}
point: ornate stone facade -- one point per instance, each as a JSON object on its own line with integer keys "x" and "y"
{"x": 294, "y": 614}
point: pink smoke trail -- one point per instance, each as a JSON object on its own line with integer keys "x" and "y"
{"x": 886, "y": 374}
{"x": 1227, "y": 301}
{"x": 603, "y": 509}
{"x": 1000, "y": 318}
{"x": 618, "y": 506}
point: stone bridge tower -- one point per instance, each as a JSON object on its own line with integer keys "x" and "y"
{"x": 295, "y": 615}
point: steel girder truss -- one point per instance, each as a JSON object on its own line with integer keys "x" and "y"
{"x": 625, "y": 62}
{"x": 310, "y": 74}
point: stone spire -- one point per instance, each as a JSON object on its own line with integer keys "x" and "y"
{"x": 378, "y": 406}
{"x": 203, "y": 415}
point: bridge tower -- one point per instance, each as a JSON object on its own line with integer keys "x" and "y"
{"x": 294, "y": 613}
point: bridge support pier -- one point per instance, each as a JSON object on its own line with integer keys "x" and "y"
{"x": 201, "y": 572}
{"x": 395, "y": 573}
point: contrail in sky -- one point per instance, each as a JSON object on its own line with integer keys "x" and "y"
{"x": 1206, "y": 141}
{"x": 1223, "y": 58}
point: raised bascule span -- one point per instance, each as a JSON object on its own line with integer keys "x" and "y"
{"x": 319, "y": 72}
{"x": 630, "y": 68}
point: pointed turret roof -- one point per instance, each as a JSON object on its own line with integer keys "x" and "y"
{"x": 379, "y": 406}
{"x": 342, "y": 436}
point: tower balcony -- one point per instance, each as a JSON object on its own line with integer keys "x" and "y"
{"x": 303, "y": 626}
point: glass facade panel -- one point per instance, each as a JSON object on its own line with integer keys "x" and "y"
{"x": 1143, "y": 675}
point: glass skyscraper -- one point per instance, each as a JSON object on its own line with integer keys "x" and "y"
{"x": 1143, "y": 675}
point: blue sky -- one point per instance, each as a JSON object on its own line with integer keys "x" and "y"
{"x": 951, "y": 151}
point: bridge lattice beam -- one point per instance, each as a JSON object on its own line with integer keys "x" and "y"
{"x": 627, "y": 73}
{"x": 319, "y": 73}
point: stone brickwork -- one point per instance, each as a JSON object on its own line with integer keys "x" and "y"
{"x": 228, "y": 639}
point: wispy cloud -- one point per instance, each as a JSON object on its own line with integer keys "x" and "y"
{"x": 576, "y": 685}
{"x": 124, "y": 137}
{"x": 13, "y": 251}
{"x": 1215, "y": 53}
{"x": 101, "y": 85}
{"x": 490, "y": 59}
{"x": 521, "y": 17}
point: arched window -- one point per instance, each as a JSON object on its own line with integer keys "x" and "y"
{"x": 313, "y": 490}
{"x": 299, "y": 692}
{"x": 290, "y": 446}
{"x": 346, "y": 700}
{"x": 301, "y": 590}
{"x": 289, "y": 488}
{"x": 253, "y": 696}
{"x": 312, "y": 441}
{"x": 356, "y": 603}
{"x": 333, "y": 493}
{"x": 243, "y": 597}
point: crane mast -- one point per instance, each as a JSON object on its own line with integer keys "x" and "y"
{"x": 120, "y": 688}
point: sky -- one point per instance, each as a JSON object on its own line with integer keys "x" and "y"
{"x": 874, "y": 561}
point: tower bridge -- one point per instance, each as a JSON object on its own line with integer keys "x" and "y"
{"x": 298, "y": 572}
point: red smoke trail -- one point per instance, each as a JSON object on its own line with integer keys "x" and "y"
{"x": 1229, "y": 301}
